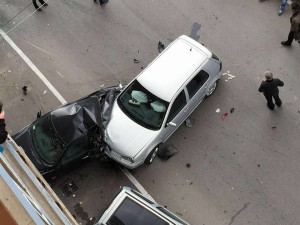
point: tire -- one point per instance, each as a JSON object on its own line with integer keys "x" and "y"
{"x": 151, "y": 156}
{"x": 212, "y": 89}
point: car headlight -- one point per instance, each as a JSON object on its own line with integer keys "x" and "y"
{"x": 128, "y": 159}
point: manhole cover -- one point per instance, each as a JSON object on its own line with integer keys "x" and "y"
{"x": 68, "y": 187}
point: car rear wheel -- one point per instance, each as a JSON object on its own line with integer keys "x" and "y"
{"x": 212, "y": 89}
{"x": 151, "y": 156}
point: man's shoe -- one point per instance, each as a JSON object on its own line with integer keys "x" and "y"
{"x": 285, "y": 43}
{"x": 280, "y": 12}
{"x": 45, "y": 4}
{"x": 103, "y": 3}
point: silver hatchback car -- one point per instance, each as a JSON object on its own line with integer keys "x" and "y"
{"x": 159, "y": 100}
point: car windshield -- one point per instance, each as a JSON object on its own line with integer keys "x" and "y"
{"x": 142, "y": 106}
{"x": 45, "y": 140}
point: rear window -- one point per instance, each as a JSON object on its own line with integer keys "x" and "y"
{"x": 131, "y": 213}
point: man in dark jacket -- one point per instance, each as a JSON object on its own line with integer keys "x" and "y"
{"x": 3, "y": 132}
{"x": 295, "y": 25}
{"x": 270, "y": 89}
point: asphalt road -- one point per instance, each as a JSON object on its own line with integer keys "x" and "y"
{"x": 244, "y": 168}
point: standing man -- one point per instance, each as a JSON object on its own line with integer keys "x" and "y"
{"x": 3, "y": 132}
{"x": 37, "y": 7}
{"x": 295, "y": 24}
{"x": 270, "y": 89}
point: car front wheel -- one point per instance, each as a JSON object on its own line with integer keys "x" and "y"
{"x": 151, "y": 156}
{"x": 212, "y": 89}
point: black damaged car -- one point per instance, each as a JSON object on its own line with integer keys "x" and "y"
{"x": 69, "y": 134}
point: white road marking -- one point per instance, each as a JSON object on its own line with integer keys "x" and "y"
{"x": 39, "y": 48}
{"x": 59, "y": 74}
{"x": 63, "y": 101}
{"x": 33, "y": 67}
{"x": 137, "y": 184}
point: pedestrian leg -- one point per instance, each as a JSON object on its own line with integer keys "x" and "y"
{"x": 289, "y": 40}
{"x": 35, "y": 5}
{"x": 270, "y": 103}
{"x": 43, "y": 3}
{"x": 278, "y": 101}
{"x": 282, "y": 7}
{"x": 103, "y": 2}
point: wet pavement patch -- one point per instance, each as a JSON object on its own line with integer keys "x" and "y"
{"x": 83, "y": 215}
{"x": 195, "y": 28}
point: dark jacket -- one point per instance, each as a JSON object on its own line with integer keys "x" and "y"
{"x": 3, "y": 132}
{"x": 270, "y": 87}
{"x": 295, "y": 21}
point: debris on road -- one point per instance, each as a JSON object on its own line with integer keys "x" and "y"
{"x": 231, "y": 110}
{"x": 161, "y": 47}
{"x": 136, "y": 61}
{"x": 274, "y": 127}
{"x": 188, "y": 165}
{"x": 218, "y": 110}
{"x": 224, "y": 115}
{"x": 45, "y": 92}
{"x": 188, "y": 123}
{"x": 167, "y": 152}
{"x": 229, "y": 76}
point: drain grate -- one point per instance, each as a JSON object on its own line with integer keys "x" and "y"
{"x": 68, "y": 187}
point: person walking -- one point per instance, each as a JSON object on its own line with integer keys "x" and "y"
{"x": 269, "y": 87}
{"x": 36, "y": 5}
{"x": 3, "y": 132}
{"x": 295, "y": 25}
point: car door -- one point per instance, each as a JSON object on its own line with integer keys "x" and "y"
{"x": 197, "y": 89}
{"x": 177, "y": 114}
{"x": 75, "y": 152}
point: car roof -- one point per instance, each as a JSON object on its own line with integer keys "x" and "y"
{"x": 153, "y": 205}
{"x": 173, "y": 67}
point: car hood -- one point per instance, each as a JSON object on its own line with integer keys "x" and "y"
{"x": 125, "y": 136}
{"x": 76, "y": 119}
{"x": 23, "y": 139}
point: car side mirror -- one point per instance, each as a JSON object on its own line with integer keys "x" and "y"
{"x": 172, "y": 124}
{"x": 39, "y": 114}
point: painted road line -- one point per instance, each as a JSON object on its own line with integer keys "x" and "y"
{"x": 136, "y": 183}
{"x": 33, "y": 67}
{"x": 63, "y": 101}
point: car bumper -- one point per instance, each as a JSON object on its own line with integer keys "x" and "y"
{"x": 116, "y": 157}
